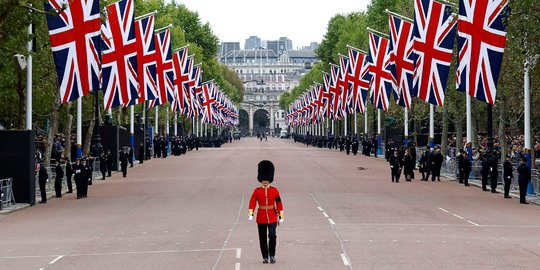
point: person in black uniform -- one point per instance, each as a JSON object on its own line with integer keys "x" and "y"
{"x": 354, "y": 146}
{"x": 141, "y": 153}
{"x": 408, "y": 165}
{"x": 69, "y": 174}
{"x": 494, "y": 171}
{"x": 507, "y": 175}
{"x": 429, "y": 155}
{"x": 130, "y": 157}
{"x": 422, "y": 165}
{"x": 103, "y": 164}
{"x": 78, "y": 168}
{"x": 485, "y": 171}
{"x": 123, "y": 162}
{"x": 460, "y": 160}
{"x": 395, "y": 166}
{"x": 58, "y": 179}
{"x": 348, "y": 145}
{"x": 524, "y": 176}
{"x": 109, "y": 163}
{"x": 43, "y": 176}
{"x": 87, "y": 177}
{"x": 467, "y": 167}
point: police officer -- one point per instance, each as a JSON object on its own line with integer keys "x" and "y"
{"x": 109, "y": 163}
{"x": 43, "y": 176}
{"x": 103, "y": 164}
{"x": 123, "y": 161}
{"x": 484, "y": 172}
{"x": 58, "y": 179}
{"x": 395, "y": 166}
{"x": 78, "y": 169}
{"x": 507, "y": 175}
{"x": 460, "y": 162}
{"x": 467, "y": 167}
{"x": 524, "y": 176}
{"x": 494, "y": 171}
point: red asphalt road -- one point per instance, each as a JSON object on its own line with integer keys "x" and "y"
{"x": 190, "y": 212}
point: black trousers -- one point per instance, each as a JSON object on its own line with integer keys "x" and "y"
{"x": 42, "y": 185}
{"x": 395, "y": 174}
{"x": 507, "y": 182}
{"x": 58, "y": 187}
{"x": 69, "y": 184}
{"x": 461, "y": 175}
{"x": 523, "y": 191}
{"x": 484, "y": 181}
{"x": 494, "y": 177}
{"x": 267, "y": 247}
{"x": 466, "y": 175}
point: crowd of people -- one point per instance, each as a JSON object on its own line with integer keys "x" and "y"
{"x": 82, "y": 169}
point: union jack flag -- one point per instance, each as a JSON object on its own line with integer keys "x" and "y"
{"x": 359, "y": 78}
{"x": 119, "y": 63}
{"x": 319, "y": 103}
{"x": 146, "y": 58}
{"x": 401, "y": 46}
{"x": 433, "y": 34}
{"x": 208, "y": 99}
{"x": 194, "y": 83}
{"x": 164, "y": 68}
{"x": 380, "y": 67}
{"x": 482, "y": 38}
{"x": 181, "y": 61}
{"x": 327, "y": 83}
{"x": 75, "y": 43}
{"x": 344, "y": 84}
{"x": 335, "y": 91}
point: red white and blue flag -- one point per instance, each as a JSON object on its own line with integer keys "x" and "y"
{"x": 181, "y": 61}
{"x": 433, "y": 34}
{"x": 482, "y": 38}
{"x": 194, "y": 83}
{"x": 327, "y": 98}
{"x": 207, "y": 102}
{"x": 119, "y": 62}
{"x": 380, "y": 67}
{"x": 401, "y": 46}
{"x": 335, "y": 91}
{"x": 146, "y": 58}
{"x": 359, "y": 79}
{"x": 164, "y": 68}
{"x": 344, "y": 84}
{"x": 75, "y": 42}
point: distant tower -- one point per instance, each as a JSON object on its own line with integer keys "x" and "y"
{"x": 227, "y": 47}
{"x": 252, "y": 42}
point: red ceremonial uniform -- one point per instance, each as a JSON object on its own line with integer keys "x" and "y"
{"x": 269, "y": 203}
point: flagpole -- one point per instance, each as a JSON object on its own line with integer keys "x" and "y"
{"x": 469, "y": 126}
{"x": 167, "y": 130}
{"x": 156, "y": 120}
{"x": 399, "y": 16}
{"x": 365, "y": 122}
{"x": 29, "y": 79}
{"x": 345, "y": 122}
{"x": 132, "y": 130}
{"x": 527, "y": 120}
{"x": 406, "y": 124}
{"x": 79, "y": 127}
{"x": 175, "y": 124}
{"x": 146, "y": 15}
{"x": 355, "y": 124}
{"x": 379, "y": 150}
{"x": 431, "y": 125}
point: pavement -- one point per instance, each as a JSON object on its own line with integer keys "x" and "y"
{"x": 341, "y": 212}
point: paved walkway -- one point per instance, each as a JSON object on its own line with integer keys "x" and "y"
{"x": 341, "y": 212}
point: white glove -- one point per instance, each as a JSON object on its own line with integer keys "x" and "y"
{"x": 281, "y": 220}
{"x": 250, "y": 218}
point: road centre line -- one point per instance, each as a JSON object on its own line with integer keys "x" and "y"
{"x": 57, "y": 259}
{"x": 345, "y": 259}
{"x": 237, "y": 266}
{"x": 458, "y": 216}
{"x": 238, "y": 253}
{"x": 325, "y": 214}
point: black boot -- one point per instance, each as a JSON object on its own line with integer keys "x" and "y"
{"x": 272, "y": 259}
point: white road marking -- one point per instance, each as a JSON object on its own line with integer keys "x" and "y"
{"x": 458, "y": 216}
{"x": 325, "y": 214}
{"x": 320, "y": 209}
{"x": 238, "y": 253}
{"x": 237, "y": 266}
{"x": 345, "y": 259}
{"x": 331, "y": 221}
{"x": 57, "y": 259}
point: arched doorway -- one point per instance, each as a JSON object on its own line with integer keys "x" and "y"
{"x": 261, "y": 121}
{"x": 244, "y": 122}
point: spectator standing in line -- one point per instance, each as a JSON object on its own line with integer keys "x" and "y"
{"x": 524, "y": 176}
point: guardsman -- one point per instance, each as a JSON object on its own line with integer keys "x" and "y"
{"x": 269, "y": 212}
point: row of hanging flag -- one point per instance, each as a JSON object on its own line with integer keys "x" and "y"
{"x": 413, "y": 61}
{"x": 130, "y": 61}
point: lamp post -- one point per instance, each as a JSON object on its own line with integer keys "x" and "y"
{"x": 96, "y": 147}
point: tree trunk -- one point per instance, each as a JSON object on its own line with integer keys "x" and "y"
{"x": 444, "y": 135}
{"x": 89, "y": 134}
{"x": 459, "y": 134}
{"x": 502, "y": 133}
{"x": 53, "y": 129}
{"x": 67, "y": 131}
{"x": 22, "y": 99}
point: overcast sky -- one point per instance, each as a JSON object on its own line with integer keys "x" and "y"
{"x": 302, "y": 21}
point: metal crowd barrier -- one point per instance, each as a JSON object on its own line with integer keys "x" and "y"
{"x": 7, "y": 192}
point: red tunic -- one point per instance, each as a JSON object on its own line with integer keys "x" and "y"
{"x": 266, "y": 197}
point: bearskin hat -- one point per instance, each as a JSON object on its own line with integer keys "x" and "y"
{"x": 265, "y": 171}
